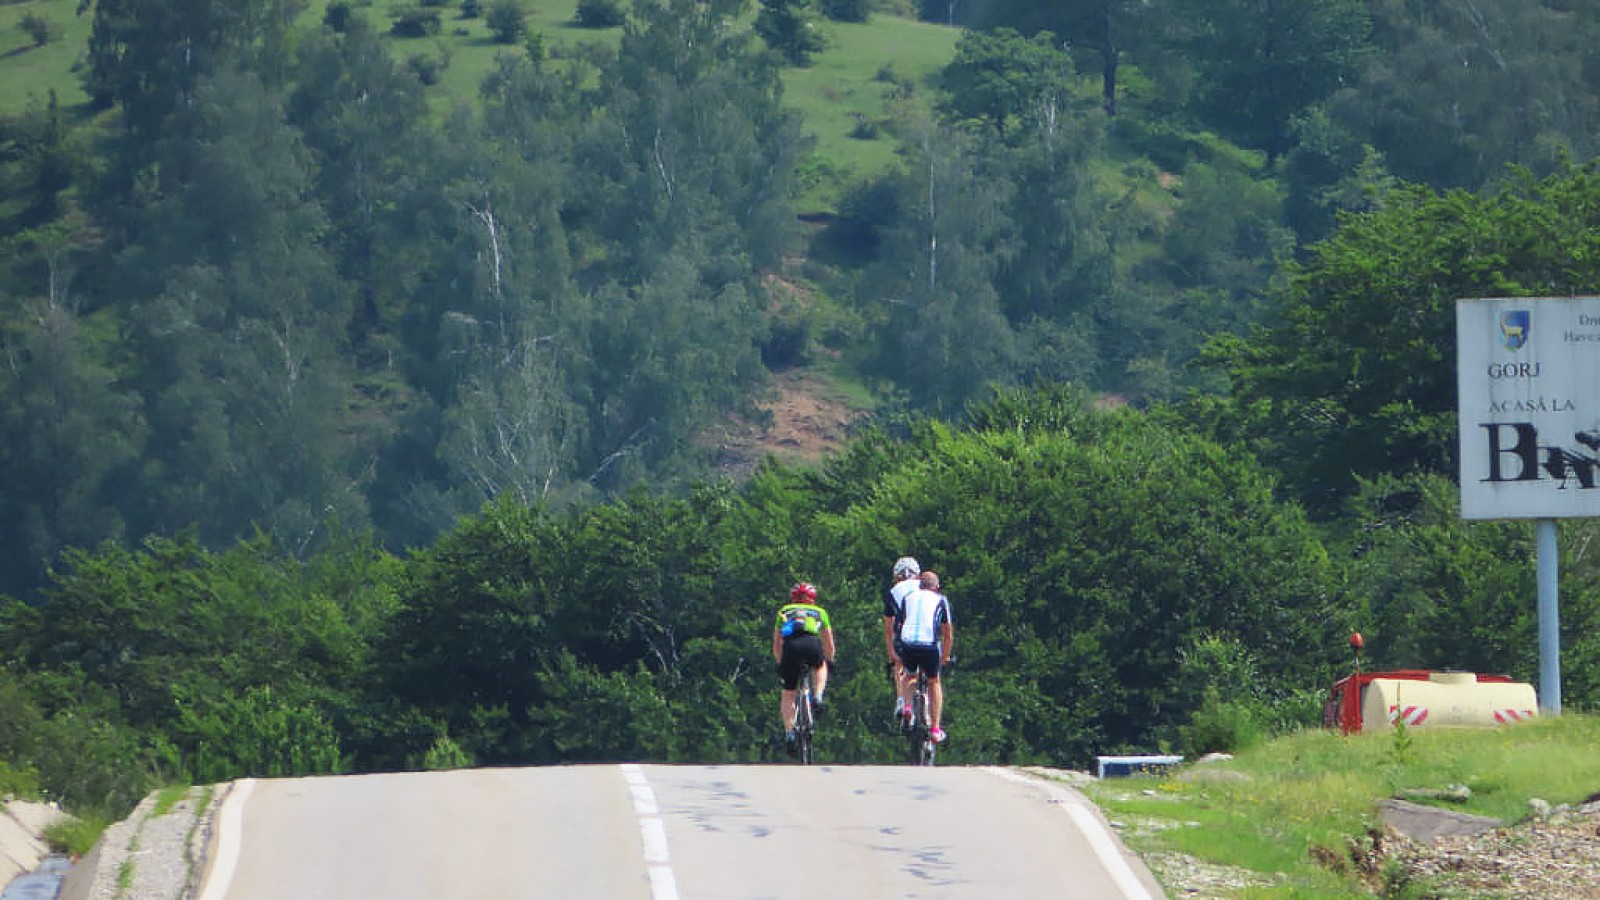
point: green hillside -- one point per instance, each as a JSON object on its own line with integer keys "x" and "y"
{"x": 840, "y": 96}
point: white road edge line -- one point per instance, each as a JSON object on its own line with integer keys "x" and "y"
{"x": 1106, "y": 849}
{"x": 230, "y": 834}
{"x": 652, "y": 831}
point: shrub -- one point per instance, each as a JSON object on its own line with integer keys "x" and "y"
{"x": 599, "y": 14}
{"x": 414, "y": 22}
{"x": 40, "y": 29}
{"x": 1221, "y": 726}
{"x": 507, "y": 21}
{"x": 845, "y": 10}
{"x": 337, "y": 16}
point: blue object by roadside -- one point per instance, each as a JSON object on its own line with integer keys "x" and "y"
{"x": 43, "y": 883}
{"x": 1124, "y": 766}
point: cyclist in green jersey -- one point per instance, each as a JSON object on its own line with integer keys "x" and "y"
{"x": 801, "y": 636}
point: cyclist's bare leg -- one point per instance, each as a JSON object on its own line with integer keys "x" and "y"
{"x": 903, "y": 680}
{"x": 819, "y": 678}
{"x": 935, "y": 702}
{"x": 786, "y": 707}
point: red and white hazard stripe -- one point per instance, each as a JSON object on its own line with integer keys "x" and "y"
{"x": 1411, "y": 715}
{"x": 1503, "y": 716}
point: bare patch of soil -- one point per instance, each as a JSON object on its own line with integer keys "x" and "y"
{"x": 801, "y": 421}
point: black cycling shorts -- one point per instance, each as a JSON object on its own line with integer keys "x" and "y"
{"x": 923, "y": 657}
{"x": 798, "y": 652}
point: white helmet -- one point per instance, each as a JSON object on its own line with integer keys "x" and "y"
{"x": 906, "y": 567}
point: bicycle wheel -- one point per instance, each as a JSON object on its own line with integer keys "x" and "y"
{"x": 804, "y": 721}
{"x": 920, "y": 740}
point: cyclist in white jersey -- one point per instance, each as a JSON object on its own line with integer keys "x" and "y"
{"x": 907, "y": 575}
{"x": 926, "y": 638}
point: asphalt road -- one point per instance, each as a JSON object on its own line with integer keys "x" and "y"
{"x": 668, "y": 833}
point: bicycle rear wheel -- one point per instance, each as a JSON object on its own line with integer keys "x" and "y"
{"x": 921, "y": 741}
{"x": 804, "y": 722}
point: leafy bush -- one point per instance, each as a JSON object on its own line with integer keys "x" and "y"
{"x": 1221, "y": 726}
{"x": 76, "y": 835}
{"x": 507, "y": 21}
{"x": 845, "y": 10}
{"x": 599, "y": 14}
{"x": 15, "y": 782}
{"x": 337, "y": 16}
{"x": 446, "y": 754}
{"x": 414, "y": 22}
{"x": 427, "y": 67}
{"x": 41, "y": 30}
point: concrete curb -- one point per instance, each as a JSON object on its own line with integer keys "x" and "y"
{"x": 22, "y": 846}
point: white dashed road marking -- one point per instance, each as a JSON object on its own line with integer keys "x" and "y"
{"x": 663, "y": 886}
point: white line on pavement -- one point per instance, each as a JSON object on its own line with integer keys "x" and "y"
{"x": 1105, "y": 849}
{"x": 653, "y": 832}
{"x": 230, "y": 833}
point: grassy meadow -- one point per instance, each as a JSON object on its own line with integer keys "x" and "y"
{"x": 1268, "y": 808}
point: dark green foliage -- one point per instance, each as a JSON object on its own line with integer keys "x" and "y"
{"x": 599, "y": 14}
{"x": 288, "y": 294}
{"x": 1357, "y": 376}
{"x": 149, "y": 56}
{"x": 337, "y": 15}
{"x": 507, "y": 20}
{"x": 999, "y": 77}
{"x": 1260, "y": 65}
{"x": 39, "y": 29}
{"x": 789, "y": 28}
{"x": 1457, "y": 90}
{"x": 413, "y": 21}
{"x": 254, "y": 734}
{"x": 845, "y": 10}
{"x": 1097, "y": 33}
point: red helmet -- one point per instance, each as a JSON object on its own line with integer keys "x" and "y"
{"x": 804, "y": 592}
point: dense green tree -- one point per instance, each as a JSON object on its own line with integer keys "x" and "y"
{"x": 1105, "y": 29}
{"x": 1082, "y": 552}
{"x": 507, "y": 20}
{"x": 1459, "y": 89}
{"x": 790, "y": 28}
{"x": 69, "y": 437}
{"x": 150, "y": 56}
{"x": 599, "y": 14}
{"x": 1259, "y": 64}
{"x": 1354, "y": 376}
{"x": 940, "y": 334}
{"x": 237, "y": 342}
{"x": 1329, "y": 171}
{"x": 998, "y": 77}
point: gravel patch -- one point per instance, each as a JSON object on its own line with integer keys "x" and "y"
{"x": 154, "y": 854}
{"x": 1551, "y": 857}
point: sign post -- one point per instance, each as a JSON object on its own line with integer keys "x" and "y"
{"x": 1528, "y": 372}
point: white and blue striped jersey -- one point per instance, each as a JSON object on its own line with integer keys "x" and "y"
{"x": 924, "y": 612}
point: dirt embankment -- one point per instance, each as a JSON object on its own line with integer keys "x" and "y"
{"x": 801, "y": 421}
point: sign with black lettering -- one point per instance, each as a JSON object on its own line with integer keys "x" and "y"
{"x": 1528, "y": 372}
